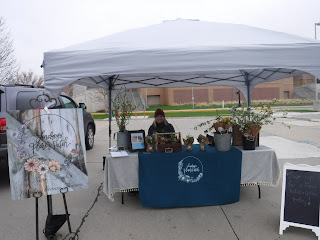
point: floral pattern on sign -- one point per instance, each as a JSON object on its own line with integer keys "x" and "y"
{"x": 40, "y": 165}
{"x": 31, "y": 165}
{"x": 46, "y": 151}
{"x": 54, "y": 166}
{"x": 190, "y": 170}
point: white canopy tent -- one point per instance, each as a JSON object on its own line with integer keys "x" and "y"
{"x": 183, "y": 53}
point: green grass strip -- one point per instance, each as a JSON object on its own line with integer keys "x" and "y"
{"x": 190, "y": 106}
{"x": 305, "y": 110}
{"x": 188, "y": 114}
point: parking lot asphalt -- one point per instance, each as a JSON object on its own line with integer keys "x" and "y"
{"x": 94, "y": 217}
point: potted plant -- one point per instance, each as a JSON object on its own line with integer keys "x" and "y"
{"x": 223, "y": 135}
{"x": 188, "y": 141}
{"x": 219, "y": 124}
{"x": 202, "y": 142}
{"x": 122, "y": 111}
{"x": 151, "y": 141}
{"x": 250, "y": 120}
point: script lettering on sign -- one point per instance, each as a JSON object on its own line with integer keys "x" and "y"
{"x": 190, "y": 170}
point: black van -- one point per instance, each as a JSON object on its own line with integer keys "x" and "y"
{"x": 18, "y": 97}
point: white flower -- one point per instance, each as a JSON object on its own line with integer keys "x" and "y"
{"x": 43, "y": 169}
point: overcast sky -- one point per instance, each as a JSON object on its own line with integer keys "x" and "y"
{"x": 38, "y": 26}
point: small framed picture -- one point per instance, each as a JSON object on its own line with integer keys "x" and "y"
{"x": 137, "y": 141}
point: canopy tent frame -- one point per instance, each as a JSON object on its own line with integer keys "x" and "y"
{"x": 248, "y": 78}
{"x": 182, "y": 53}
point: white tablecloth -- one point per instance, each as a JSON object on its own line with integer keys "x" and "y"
{"x": 259, "y": 167}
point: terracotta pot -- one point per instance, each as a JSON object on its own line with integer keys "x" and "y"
{"x": 255, "y": 129}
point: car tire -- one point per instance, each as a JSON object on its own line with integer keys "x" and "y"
{"x": 89, "y": 137}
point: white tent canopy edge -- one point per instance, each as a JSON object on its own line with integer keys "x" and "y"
{"x": 186, "y": 53}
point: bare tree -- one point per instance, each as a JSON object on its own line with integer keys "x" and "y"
{"x": 69, "y": 90}
{"x": 100, "y": 95}
{"x": 8, "y": 65}
{"x": 29, "y": 78}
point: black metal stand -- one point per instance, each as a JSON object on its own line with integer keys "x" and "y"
{"x": 37, "y": 195}
{"x": 49, "y": 204}
{"x": 66, "y": 207}
{"x": 104, "y": 162}
{"x": 259, "y": 191}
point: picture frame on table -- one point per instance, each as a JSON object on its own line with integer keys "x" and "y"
{"x": 136, "y": 140}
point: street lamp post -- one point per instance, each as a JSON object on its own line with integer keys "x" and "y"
{"x": 239, "y": 101}
{"x": 315, "y": 29}
{"x": 315, "y": 36}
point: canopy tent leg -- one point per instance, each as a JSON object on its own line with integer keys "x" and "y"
{"x": 317, "y": 98}
{"x": 246, "y": 77}
{"x": 110, "y": 111}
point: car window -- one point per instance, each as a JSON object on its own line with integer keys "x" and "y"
{"x": 68, "y": 103}
{"x": 34, "y": 99}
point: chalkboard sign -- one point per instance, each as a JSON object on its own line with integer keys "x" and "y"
{"x": 300, "y": 197}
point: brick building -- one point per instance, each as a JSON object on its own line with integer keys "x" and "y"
{"x": 279, "y": 89}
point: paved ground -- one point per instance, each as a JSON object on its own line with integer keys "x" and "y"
{"x": 249, "y": 219}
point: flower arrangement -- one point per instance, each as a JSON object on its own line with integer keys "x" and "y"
{"x": 202, "y": 139}
{"x": 168, "y": 138}
{"x": 150, "y": 139}
{"x": 219, "y": 124}
{"x": 202, "y": 142}
{"x": 189, "y": 139}
{"x": 174, "y": 138}
{"x": 223, "y": 125}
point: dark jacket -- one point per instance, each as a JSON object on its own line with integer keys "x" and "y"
{"x": 163, "y": 127}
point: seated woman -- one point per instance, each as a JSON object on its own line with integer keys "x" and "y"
{"x": 160, "y": 124}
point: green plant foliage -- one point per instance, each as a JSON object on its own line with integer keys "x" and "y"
{"x": 218, "y": 118}
{"x": 201, "y": 138}
{"x": 124, "y": 106}
{"x": 189, "y": 139}
{"x": 150, "y": 139}
{"x": 258, "y": 116}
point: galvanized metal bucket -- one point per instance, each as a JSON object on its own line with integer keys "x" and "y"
{"x": 222, "y": 141}
{"x": 122, "y": 140}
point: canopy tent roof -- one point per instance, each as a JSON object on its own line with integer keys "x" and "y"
{"x": 183, "y": 53}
